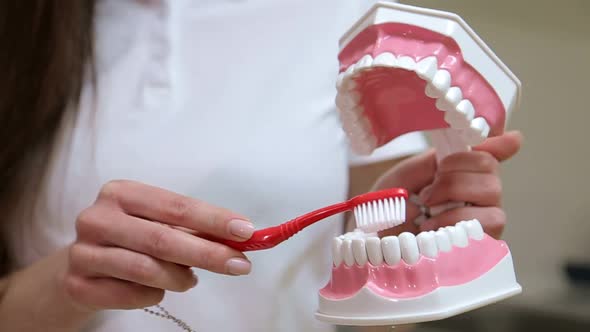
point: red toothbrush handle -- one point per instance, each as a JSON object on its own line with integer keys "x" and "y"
{"x": 266, "y": 238}
{"x": 272, "y": 236}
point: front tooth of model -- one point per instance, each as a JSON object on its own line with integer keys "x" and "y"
{"x": 385, "y": 59}
{"x": 443, "y": 242}
{"x": 347, "y": 255}
{"x": 391, "y": 250}
{"x": 427, "y": 244}
{"x": 461, "y": 116}
{"x": 365, "y": 62}
{"x": 409, "y": 248}
{"x": 407, "y": 63}
{"x": 427, "y": 68}
{"x": 458, "y": 236}
{"x": 374, "y": 250}
{"x": 337, "y": 251}
{"x": 474, "y": 229}
{"x": 450, "y": 100}
{"x": 477, "y": 132}
{"x": 359, "y": 251}
{"x": 440, "y": 84}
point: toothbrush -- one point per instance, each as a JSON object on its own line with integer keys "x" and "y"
{"x": 373, "y": 211}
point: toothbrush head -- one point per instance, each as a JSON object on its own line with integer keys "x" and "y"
{"x": 379, "y": 210}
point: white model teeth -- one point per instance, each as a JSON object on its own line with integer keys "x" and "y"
{"x": 461, "y": 116}
{"x": 409, "y": 248}
{"x": 443, "y": 242}
{"x": 427, "y": 68}
{"x": 477, "y": 132}
{"x": 365, "y": 62}
{"x": 458, "y": 236}
{"x": 361, "y": 248}
{"x": 450, "y": 100}
{"x": 337, "y": 251}
{"x": 348, "y": 257}
{"x": 427, "y": 244}
{"x": 391, "y": 250}
{"x": 474, "y": 229}
{"x": 359, "y": 251}
{"x": 374, "y": 250}
{"x": 439, "y": 85}
{"x": 385, "y": 59}
{"x": 407, "y": 63}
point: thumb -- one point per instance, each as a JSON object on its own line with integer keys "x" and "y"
{"x": 413, "y": 173}
{"x": 502, "y": 147}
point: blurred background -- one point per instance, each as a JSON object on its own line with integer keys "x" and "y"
{"x": 547, "y": 186}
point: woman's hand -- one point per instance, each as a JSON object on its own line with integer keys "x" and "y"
{"x": 136, "y": 242}
{"x": 470, "y": 177}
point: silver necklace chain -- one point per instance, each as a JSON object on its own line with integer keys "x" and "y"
{"x": 166, "y": 315}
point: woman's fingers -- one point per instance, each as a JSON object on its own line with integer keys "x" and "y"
{"x": 109, "y": 293}
{"x": 164, "y": 206}
{"x": 492, "y": 219}
{"x": 105, "y": 226}
{"x": 469, "y": 162}
{"x": 96, "y": 261}
{"x": 502, "y": 147}
{"x": 476, "y": 188}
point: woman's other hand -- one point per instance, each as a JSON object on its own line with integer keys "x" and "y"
{"x": 471, "y": 177}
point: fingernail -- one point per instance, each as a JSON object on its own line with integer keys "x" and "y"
{"x": 238, "y": 266}
{"x": 241, "y": 228}
{"x": 195, "y": 279}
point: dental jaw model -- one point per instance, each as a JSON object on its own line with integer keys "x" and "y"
{"x": 405, "y": 69}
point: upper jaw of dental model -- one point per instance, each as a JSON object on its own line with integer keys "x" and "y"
{"x": 358, "y": 248}
{"x": 404, "y": 70}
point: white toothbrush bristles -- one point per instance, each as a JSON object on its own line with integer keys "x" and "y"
{"x": 382, "y": 214}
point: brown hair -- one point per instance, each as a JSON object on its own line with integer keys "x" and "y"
{"x": 46, "y": 49}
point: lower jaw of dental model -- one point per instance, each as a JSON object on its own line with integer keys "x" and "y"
{"x": 404, "y": 69}
{"x": 408, "y": 279}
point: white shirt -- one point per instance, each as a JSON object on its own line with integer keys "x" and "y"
{"x": 231, "y": 102}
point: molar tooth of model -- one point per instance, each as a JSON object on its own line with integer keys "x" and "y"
{"x": 348, "y": 73}
{"x": 409, "y": 247}
{"x": 461, "y": 116}
{"x": 443, "y": 241}
{"x": 474, "y": 229}
{"x": 427, "y": 68}
{"x": 385, "y": 59}
{"x": 406, "y": 62}
{"x": 347, "y": 255}
{"x": 374, "y": 250}
{"x": 365, "y": 62}
{"x": 337, "y": 250}
{"x": 440, "y": 84}
{"x": 450, "y": 100}
{"x": 427, "y": 244}
{"x": 359, "y": 251}
{"x": 477, "y": 132}
{"x": 391, "y": 250}
{"x": 458, "y": 236}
